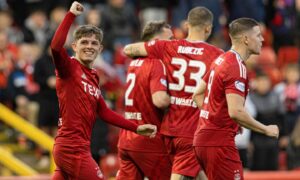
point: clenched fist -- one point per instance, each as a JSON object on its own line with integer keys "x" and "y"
{"x": 147, "y": 130}
{"x": 272, "y": 131}
{"x": 76, "y": 8}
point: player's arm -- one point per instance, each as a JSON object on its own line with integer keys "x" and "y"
{"x": 238, "y": 113}
{"x": 113, "y": 118}
{"x": 199, "y": 93}
{"x": 59, "y": 53}
{"x": 161, "y": 99}
{"x": 61, "y": 33}
{"x": 135, "y": 49}
{"x": 158, "y": 85}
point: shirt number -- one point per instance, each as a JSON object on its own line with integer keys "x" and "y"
{"x": 130, "y": 78}
{"x": 210, "y": 81}
{"x": 179, "y": 74}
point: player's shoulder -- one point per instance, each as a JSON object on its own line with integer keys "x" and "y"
{"x": 158, "y": 42}
{"x": 213, "y": 48}
{"x": 152, "y": 62}
{"x": 230, "y": 58}
{"x": 74, "y": 62}
{"x": 202, "y": 44}
{"x": 144, "y": 60}
{"x": 140, "y": 62}
{"x": 233, "y": 64}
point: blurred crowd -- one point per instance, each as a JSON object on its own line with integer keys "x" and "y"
{"x": 27, "y": 78}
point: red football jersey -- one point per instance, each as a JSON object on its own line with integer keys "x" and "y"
{"x": 186, "y": 63}
{"x": 79, "y": 95}
{"x": 227, "y": 75}
{"x": 145, "y": 76}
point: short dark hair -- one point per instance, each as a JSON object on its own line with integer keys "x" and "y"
{"x": 200, "y": 16}
{"x": 152, "y": 28}
{"x": 88, "y": 30}
{"x": 241, "y": 25}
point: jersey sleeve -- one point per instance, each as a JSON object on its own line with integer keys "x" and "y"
{"x": 234, "y": 82}
{"x": 113, "y": 118}
{"x": 158, "y": 79}
{"x": 155, "y": 48}
{"x": 59, "y": 53}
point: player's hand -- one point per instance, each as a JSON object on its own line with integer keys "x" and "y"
{"x": 272, "y": 131}
{"x": 76, "y": 8}
{"x": 147, "y": 130}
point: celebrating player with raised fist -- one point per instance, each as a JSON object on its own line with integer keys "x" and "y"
{"x": 80, "y": 100}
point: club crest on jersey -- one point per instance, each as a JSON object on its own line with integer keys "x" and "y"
{"x": 99, "y": 173}
{"x": 237, "y": 175}
{"x": 163, "y": 82}
{"x": 219, "y": 61}
{"x": 151, "y": 43}
{"x": 240, "y": 86}
{"x": 83, "y": 76}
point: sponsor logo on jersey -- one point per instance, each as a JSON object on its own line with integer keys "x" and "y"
{"x": 90, "y": 89}
{"x": 240, "y": 86}
{"x": 183, "y": 102}
{"x": 190, "y": 50}
{"x": 133, "y": 115}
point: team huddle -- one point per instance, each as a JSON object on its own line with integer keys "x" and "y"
{"x": 184, "y": 101}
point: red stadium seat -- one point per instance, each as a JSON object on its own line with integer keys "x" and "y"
{"x": 287, "y": 55}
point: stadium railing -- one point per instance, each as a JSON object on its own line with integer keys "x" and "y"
{"x": 33, "y": 133}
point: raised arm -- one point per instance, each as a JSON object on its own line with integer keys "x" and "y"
{"x": 135, "y": 49}
{"x": 238, "y": 113}
{"x": 60, "y": 56}
{"x": 61, "y": 33}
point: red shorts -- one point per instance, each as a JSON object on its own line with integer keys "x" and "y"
{"x": 137, "y": 165}
{"x": 75, "y": 163}
{"x": 183, "y": 156}
{"x": 220, "y": 162}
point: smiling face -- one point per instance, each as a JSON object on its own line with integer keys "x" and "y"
{"x": 86, "y": 49}
{"x": 87, "y": 44}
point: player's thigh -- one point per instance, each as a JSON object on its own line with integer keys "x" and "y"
{"x": 184, "y": 160}
{"x": 155, "y": 166}
{"x": 89, "y": 169}
{"x": 74, "y": 165}
{"x": 128, "y": 169}
{"x": 220, "y": 162}
{"x": 59, "y": 175}
{"x": 67, "y": 161}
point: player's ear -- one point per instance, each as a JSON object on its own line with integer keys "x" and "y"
{"x": 208, "y": 29}
{"x": 74, "y": 47}
{"x": 100, "y": 48}
{"x": 186, "y": 24}
{"x": 245, "y": 39}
